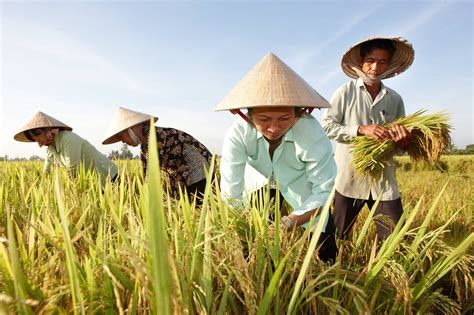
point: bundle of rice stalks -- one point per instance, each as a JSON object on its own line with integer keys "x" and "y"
{"x": 430, "y": 138}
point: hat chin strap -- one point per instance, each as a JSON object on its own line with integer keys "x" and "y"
{"x": 134, "y": 136}
{"x": 244, "y": 117}
{"x": 392, "y": 69}
{"x": 366, "y": 78}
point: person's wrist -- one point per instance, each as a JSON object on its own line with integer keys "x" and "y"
{"x": 287, "y": 223}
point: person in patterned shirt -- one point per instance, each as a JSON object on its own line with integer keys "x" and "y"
{"x": 183, "y": 158}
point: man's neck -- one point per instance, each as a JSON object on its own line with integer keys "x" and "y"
{"x": 373, "y": 89}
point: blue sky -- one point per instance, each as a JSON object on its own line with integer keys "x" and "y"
{"x": 79, "y": 60}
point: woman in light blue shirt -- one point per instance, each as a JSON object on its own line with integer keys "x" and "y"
{"x": 282, "y": 142}
{"x": 65, "y": 148}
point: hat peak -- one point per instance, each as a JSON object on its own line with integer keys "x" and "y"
{"x": 39, "y": 120}
{"x": 125, "y": 118}
{"x": 272, "y": 83}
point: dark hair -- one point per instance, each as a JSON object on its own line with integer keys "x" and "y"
{"x": 379, "y": 43}
{"x": 298, "y": 110}
{"x": 29, "y": 134}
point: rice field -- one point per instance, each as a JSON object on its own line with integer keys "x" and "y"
{"x": 67, "y": 246}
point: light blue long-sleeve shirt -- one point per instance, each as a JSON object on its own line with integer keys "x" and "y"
{"x": 70, "y": 150}
{"x": 302, "y": 164}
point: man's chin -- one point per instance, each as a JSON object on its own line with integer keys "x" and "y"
{"x": 273, "y": 137}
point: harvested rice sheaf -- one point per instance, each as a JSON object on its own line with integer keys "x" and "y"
{"x": 430, "y": 138}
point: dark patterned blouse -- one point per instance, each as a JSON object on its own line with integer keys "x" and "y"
{"x": 181, "y": 156}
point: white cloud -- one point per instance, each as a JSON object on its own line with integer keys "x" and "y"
{"x": 306, "y": 55}
{"x": 411, "y": 25}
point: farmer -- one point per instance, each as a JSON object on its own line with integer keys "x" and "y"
{"x": 362, "y": 107}
{"x": 65, "y": 148}
{"x": 183, "y": 158}
{"x": 282, "y": 142}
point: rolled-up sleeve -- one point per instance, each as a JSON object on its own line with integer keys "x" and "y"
{"x": 333, "y": 117}
{"x": 48, "y": 161}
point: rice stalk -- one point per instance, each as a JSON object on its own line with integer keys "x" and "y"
{"x": 309, "y": 254}
{"x": 365, "y": 228}
{"x": 441, "y": 267}
{"x": 430, "y": 138}
{"x": 155, "y": 221}
{"x": 78, "y": 302}
{"x": 14, "y": 267}
{"x": 110, "y": 238}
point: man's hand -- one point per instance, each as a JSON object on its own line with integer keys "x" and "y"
{"x": 374, "y": 131}
{"x": 401, "y": 136}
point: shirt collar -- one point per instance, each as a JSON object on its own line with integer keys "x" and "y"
{"x": 360, "y": 83}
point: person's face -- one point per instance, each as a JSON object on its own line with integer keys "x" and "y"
{"x": 376, "y": 62}
{"x": 46, "y": 138}
{"x": 273, "y": 122}
{"x": 125, "y": 138}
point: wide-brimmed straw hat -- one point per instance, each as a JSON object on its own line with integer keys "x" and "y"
{"x": 39, "y": 120}
{"x": 271, "y": 83}
{"x": 400, "y": 61}
{"x": 124, "y": 119}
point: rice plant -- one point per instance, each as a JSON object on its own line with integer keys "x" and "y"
{"x": 430, "y": 138}
{"x": 67, "y": 245}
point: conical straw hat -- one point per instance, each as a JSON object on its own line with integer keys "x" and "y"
{"x": 39, "y": 120}
{"x": 400, "y": 61}
{"x": 271, "y": 83}
{"x": 124, "y": 119}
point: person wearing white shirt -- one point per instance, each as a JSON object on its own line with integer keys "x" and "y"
{"x": 362, "y": 107}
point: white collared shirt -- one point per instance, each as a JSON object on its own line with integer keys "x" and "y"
{"x": 352, "y": 106}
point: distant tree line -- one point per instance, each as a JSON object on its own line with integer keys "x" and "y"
{"x": 468, "y": 150}
{"x": 31, "y": 158}
{"x": 125, "y": 154}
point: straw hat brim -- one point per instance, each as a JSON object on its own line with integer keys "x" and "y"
{"x": 271, "y": 83}
{"x": 401, "y": 60}
{"x": 125, "y": 118}
{"x": 115, "y": 138}
{"x": 39, "y": 120}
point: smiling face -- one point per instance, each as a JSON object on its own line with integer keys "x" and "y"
{"x": 273, "y": 122}
{"x": 376, "y": 62}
